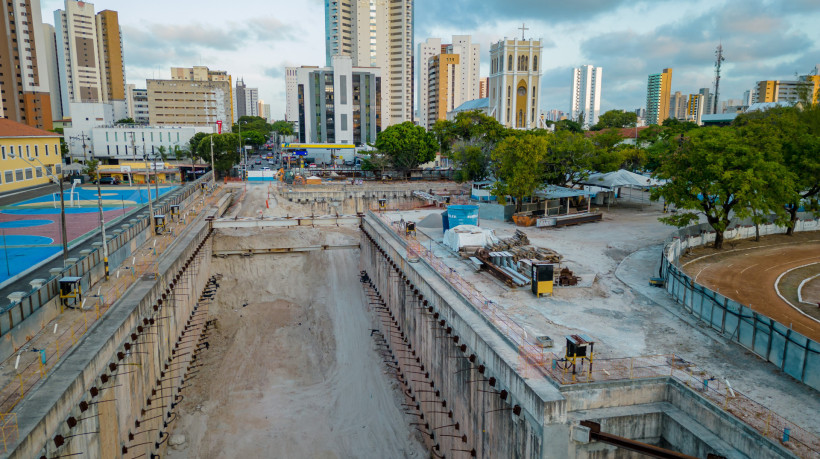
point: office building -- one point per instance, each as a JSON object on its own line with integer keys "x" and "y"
{"x": 112, "y": 144}
{"x": 677, "y": 106}
{"x": 586, "y": 94}
{"x": 24, "y": 72}
{"x": 18, "y": 142}
{"x": 464, "y": 82}
{"x": 246, "y": 100}
{"x": 194, "y": 96}
{"x": 695, "y": 108}
{"x": 658, "y": 90}
{"x": 292, "y": 103}
{"x": 340, "y": 104}
{"x": 708, "y": 101}
{"x": 376, "y": 33}
{"x": 137, "y": 104}
{"x": 515, "y": 76}
{"x": 805, "y": 89}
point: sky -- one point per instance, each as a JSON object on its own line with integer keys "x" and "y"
{"x": 256, "y": 39}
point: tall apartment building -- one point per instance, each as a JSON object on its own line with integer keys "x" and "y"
{"x": 515, "y": 76}
{"x": 695, "y": 108}
{"x": 658, "y": 90}
{"x": 337, "y": 104}
{"x": 483, "y": 88}
{"x": 465, "y": 84}
{"x": 137, "y": 104}
{"x": 376, "y": 33}
{"x": 194, "y": 96}
{"x": 53, "y": 71}
{"x": 24, "y": 64}
{"x": 586, "y": 94}
{"x": 708, "y": 101}
{"x": 677, "y": 106}
{"x": 442, "y": 88}
{"x": 292, "y": 103}
{"x": 89, "y": 55}
{"x": 246, "y": 99}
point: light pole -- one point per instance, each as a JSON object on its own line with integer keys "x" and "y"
{"x": 242, "y": 148}
{"x": 59, "y": 182}
{"x": 148, "y": 187}
{"x": 82, "y": 137}
{"x": 213, "y": 166}
{"x": 102, "y": 223}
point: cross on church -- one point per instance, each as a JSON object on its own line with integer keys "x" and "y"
{"x": 523, "y": 29}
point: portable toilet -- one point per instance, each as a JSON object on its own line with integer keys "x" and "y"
{"x": 175, "y": 211}
{"x": 159, "y": 223}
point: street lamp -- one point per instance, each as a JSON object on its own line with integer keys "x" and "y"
{"x": 242, "y": 148}
{"x": 59, "y": 182}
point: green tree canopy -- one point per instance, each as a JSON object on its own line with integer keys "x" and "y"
{"x": 252, "y": 123}
{"x": 519, "y": 167}
{"x": 568, "y": 125}
{"x": 282, "y": 127}
{"x": 608, "y": 156}
{"x": 568, "y": 159}
{"x": 407, "y": 145}
{"x": 125, "y": 121}
{"x": 252, "y": 137}
{"x": 716, "y": 172}
{"x": 193, "y": 147}
{"x": 225, "y": 154}
{"x": 615, "y": 119}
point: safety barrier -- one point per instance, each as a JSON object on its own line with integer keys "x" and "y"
{"x": 534, "y": 361}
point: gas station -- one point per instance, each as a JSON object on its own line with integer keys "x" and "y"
{"x": 300, "y": 155}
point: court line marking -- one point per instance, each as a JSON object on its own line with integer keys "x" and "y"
{"x": 740, "y": 250}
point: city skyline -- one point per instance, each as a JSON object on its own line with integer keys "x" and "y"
{"x": 762, "y": 41}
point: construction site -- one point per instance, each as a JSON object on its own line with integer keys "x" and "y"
{"x": 340, "y": 320}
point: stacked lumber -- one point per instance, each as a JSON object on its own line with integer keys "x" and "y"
{"x": 519, "y": 246}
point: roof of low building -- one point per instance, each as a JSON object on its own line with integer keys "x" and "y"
{"x": 9, "y": 128}
{"x": 626, "y": 133}
{"x": 475, "y": 104}
{"x": 718, "y": 118}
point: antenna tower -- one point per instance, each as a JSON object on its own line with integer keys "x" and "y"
{"x": 718, "y": 60}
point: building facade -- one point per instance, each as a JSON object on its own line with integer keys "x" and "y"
{"x": 194, "y": 96}
{"x": 708, "y": 101}
{"x": 464, "y": 78}
{"x": 112, "y": 144}
{"x": 291, "y": 101}
{"x": 28, "y": 156}
{"x": 586, "y": 94}
{"x": 340, "y": 104}
{"x": 112, "y": 66}
{"x": 658, "y": 91}
{"x": 246, "y": 100}
{"x": 515, "y": 77}
{"x": 376, "y": 33}
{"x": 695, "y": 108}
{"x": 24, "y": 78}
{"x": 805, "y": 88}
{"x": 443, "y": 90}
{"x": 677, "y": 106}
{"x": 484, "y": 85}
{"x": 137, "y": 104}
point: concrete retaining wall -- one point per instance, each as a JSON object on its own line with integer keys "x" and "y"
{"x": 115, "y": 396}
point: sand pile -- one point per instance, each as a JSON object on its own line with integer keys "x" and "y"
{"x": 291, "y": 370}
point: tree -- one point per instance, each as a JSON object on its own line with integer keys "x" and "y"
{"x": 519, "y": 167}
{"x": 163, "y": 153}
{"x": 376, "y": 161}
{"x": 225, "y": 155}
{"x": 282, "y": 127}
{"x": 471, "y": 136}
{"x": 615, "y": 119}
{"x": 193, "y": 146}
{"x": 473, "y": 163}
{"x": 126, "y": 121}
{"x": 568, "y": 158}
{"x": 91, "y": 169}
{"x": 568, "y": 125}
{"x": 253, "y": 137}
{"x": 407, "y": 145}
{"x": 252, "y": 123}
{"x": 180, "y": 153}
{"x": 607, "y": 157}
{"x": 715, "y": 172}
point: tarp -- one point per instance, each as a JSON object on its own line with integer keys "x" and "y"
{"x": 621, "y": 178}
{"x": 468, "y": 235}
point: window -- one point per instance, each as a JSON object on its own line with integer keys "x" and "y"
{"x": 38, "y": 171}
{"x": 29, "y": 174}
{"x": 46, "y": 149}
{"x": 20, "y": 151}
{"x": 36, "y": 151}
{"x": 509, "y": 63}
{"x": 28, "y": 151}
{"x": 116, "y": 136}
{"x": 535, "y": 63}
{"x": 9, "y": 177}
{"x": 18, "y": 175}
{"x": 3, "y": 151}
{"x": 58, "y": 168}
{"x": 106, "y": 136}
{"x": 48, "y": 170}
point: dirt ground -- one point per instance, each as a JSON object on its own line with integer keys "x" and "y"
{"x": 291, "y": 370}
{"x": 748, "y": 272}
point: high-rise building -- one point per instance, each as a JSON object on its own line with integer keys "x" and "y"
{"x": 292, "y": 103}
{"x": 24, "y": 65}
{"x": 677, "y": 106}
{"x": 194, "y": 96}
{"x": 463, "y": 82}
{"x": 515, "y": 76}
{"x": 708, "y": 101}
{"x": 747, "y": 97}
{"x": 338, "y": 104}
{"x": 137, "y": 104}
{"x": 376, "y": 33}
{"x": 695, "y": 108}
{"x": 586, "y": 94}
{"x": 658, "y": 90}
{"x": 246, "y": 99}
{"x": 50, "y": 58}
{"x": 483, "y": 88}
{"x": 112, "y": 67}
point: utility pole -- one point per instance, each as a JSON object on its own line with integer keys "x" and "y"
{"x": 718, "y": 60}
{"x": 213, "y": 167}
{"x": 148, "y": 188}
{"x": 82, "y": 137}
{"x": 102, "y": 224}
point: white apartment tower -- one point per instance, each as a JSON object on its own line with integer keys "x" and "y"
{"x": 376, "y": 33}
{"x": 515, "y": 77}
{"x": 78, "y": 54}
{"x": 292, "y": 103}
{"x": 465, "y": 82}
{"x": 246, "y": 100}
{"x": 586, "y": 94}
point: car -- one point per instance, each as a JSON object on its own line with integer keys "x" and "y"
{"x": 107, "y": 181}
{"x": 312, "y": 165}
{"x": 258, "y": 162}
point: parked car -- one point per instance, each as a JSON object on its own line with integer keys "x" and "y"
{"x": 312, "y": 165}
{"x": 107, "y": 181}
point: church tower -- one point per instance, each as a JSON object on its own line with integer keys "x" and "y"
{"x": 515, "y": 77}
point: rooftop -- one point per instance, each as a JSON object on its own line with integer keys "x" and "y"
{"x": 9, "y": 128}
{"x": 475, "y": 104}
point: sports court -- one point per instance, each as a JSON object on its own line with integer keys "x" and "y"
{"x": 30, "y": 230}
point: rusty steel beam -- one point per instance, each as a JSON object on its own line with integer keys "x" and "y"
{"x": 634, "y": 445}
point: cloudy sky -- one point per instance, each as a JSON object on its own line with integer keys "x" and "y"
{"x": 257, "y": 39}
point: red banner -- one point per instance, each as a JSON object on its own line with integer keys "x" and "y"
{"x": 219, "y": 127}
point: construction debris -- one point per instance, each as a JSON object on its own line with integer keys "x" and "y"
{"x": 519, "y": 246}
{"x": 567, "y": 278}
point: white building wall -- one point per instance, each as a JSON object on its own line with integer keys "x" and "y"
{"x": 292, "y": 97}
{"x": 586, "y": 94}
{"x": 52, "y": 70}
{"x": 78, "y": 21}
{"x": 130, "y": 142}
{"x": 503, "y": 79}
{"x": 427, "y": 50}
